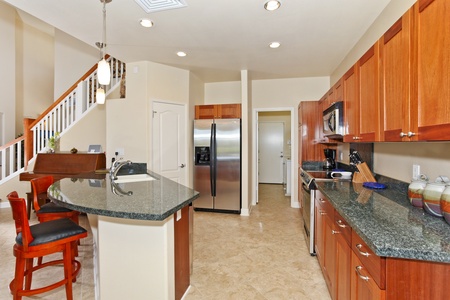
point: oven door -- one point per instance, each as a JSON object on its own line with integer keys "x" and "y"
{"x": 308, "y": 216}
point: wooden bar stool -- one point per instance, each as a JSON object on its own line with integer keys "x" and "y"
{"x": 39, "y": 240}
{"x": 49, "y": 211}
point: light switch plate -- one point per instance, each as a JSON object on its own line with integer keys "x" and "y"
{"x": 416, "y": 172}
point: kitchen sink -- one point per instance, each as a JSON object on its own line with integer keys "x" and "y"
{"x": 134, "y": 178}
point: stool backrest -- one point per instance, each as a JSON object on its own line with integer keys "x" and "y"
{"x": 19, "y": 212}
{"x": 39, "y": 186}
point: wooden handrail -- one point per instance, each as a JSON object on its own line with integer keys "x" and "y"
{"x": 12, "y": 142}
{"x": 70, "y": 90}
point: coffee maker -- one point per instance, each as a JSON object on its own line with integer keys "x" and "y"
{"x": 330, "y": 159}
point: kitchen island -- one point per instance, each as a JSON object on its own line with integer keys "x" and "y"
{"x": 134, "y": 226}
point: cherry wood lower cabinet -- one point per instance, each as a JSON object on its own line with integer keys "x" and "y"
{"x": 353, "y": 271}
{"x": 182, "y": 248}
{"x": 343, "y": 239}
{"x": 416, "y": 280}
{"x": 363, "y": 287}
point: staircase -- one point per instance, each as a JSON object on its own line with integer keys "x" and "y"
{"x": 64, "y": 113}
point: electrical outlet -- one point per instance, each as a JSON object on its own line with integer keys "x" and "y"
{"x": 416, "y": 172}
{"x": 120, "y": 151}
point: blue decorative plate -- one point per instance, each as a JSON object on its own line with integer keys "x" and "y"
{"x": 374, "y": 185}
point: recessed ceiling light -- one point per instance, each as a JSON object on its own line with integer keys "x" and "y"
{"x": 146, "y": 23}
{"x": 181, "y": 54}
{"x": 272, "y": 5}
{"x": 274, "y": 45}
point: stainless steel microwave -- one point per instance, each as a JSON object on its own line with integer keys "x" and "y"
{"x": 333, "y": 120}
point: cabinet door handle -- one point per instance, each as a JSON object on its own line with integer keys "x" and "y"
{"x": 409, "y": 134}
{"x": 358, "y": 247}
{"x": 341, "y": 224}
{"x": 335, "y": 231}
{"x": 357, "y": 269}
{"x": 321, "y": 200}
{"x": 322, "y": 213}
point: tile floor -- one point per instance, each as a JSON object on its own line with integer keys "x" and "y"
{"x": 263, "y": 256}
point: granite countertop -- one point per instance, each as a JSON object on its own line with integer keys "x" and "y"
{"x": 388, "y": 223}
{"x": 150, "y": 200}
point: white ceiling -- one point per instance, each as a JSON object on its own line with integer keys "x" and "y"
{"x": 221, "y": 37}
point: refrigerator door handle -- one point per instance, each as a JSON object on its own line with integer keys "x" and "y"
{"x": 213, "y": 159}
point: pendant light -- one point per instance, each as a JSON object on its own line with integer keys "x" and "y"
{"x": 103, "y": 69}
{"x": 100, "y": 95}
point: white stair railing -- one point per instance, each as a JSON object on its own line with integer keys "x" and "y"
{"x": 64, "y": 113}
{"x": 11, "y": 159}
{"x": 73, "y": 106}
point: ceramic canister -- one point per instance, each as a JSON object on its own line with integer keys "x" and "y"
{"x": 415, "y": 192}
{"x": 445, "y": 204}
{"x": 432, "y": 198}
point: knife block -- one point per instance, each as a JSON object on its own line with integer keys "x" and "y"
{"x": 364, "y": 174}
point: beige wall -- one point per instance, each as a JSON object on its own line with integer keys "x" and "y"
{"x": 223, "y": 92}
{"x": 74, "y": 55}
{"x": 7, "y": 71}
{"x": 90, "y": 130}
{"x": 35, "y": 72}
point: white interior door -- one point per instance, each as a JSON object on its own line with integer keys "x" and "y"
{"x": 169, "y": 141}
{"x": 270, "y": 147}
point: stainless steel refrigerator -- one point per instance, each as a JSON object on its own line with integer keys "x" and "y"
{"x": 217, "y": 165}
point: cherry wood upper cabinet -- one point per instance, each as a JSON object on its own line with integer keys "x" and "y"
{"x": 360, "y": 93}
{"x": 218, "y": 111}
{"x": 399, "y": 108}
{"x": 309, "y": 115}
{"x": 351, "y": 103}
{"x": 432, "y": 36}
{"x": 369, "y": 108}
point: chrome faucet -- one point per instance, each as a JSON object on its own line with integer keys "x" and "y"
{"x": 117, "y": 165}
{"x": 115, "y": 188}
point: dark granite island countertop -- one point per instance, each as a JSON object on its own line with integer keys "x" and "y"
{"x": 387, "y": 222}
{"x": 149, "y": 200}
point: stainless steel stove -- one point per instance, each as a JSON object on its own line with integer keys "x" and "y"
{"x": 308, "y": 180}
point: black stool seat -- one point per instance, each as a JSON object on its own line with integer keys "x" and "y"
{"x": 51, "y": 231}
{"x": 53, "y": 208}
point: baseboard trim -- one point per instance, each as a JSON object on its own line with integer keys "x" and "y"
{"x": 4, "y": 204}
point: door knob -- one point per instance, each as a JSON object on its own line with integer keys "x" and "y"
{"x": 182, "y": 166}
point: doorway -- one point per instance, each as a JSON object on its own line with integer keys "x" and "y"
{"x": 280, "y": 114}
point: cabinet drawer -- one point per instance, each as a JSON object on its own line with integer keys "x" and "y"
{"x": 374, "y": 264}
{"x": 342, "y": 226}
{"x": 324, "y": 204}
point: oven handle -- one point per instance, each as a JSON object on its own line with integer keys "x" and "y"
{"x": 305, "y": 188}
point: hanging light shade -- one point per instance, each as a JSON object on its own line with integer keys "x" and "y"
{"x": 100, "y": 95}
{"x": 103, "y": 72}
{"x": 103, "y": 69}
